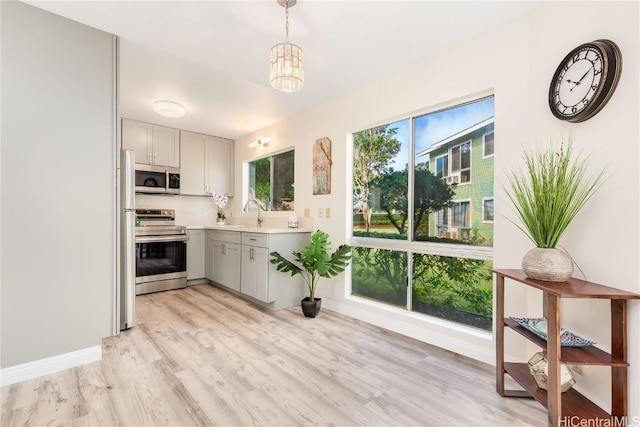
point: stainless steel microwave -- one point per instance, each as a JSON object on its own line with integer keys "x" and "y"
{"x": 154, "y": 179}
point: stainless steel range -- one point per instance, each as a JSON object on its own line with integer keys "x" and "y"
{"x": 161, "y": 251}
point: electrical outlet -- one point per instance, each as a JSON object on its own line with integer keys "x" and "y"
{"x": 327, "y": 212}
{"x": 307, "y": 212}
{"x": 320, "y": 213}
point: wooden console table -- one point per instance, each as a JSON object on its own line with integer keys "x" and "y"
{"x": 564, "y": 407}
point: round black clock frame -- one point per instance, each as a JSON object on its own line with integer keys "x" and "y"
{"x": 592, "y": 70}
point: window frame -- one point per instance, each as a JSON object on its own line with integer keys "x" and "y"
{"x": 452, "y": 212}
{"x": 420, "y": 246}
{"x": 246, "y": 186}
{"x": 484, "y": 200}
{"x": 461, "y": 170}
{"x": 445, "y": 174}
{"x": 484, "y": 145}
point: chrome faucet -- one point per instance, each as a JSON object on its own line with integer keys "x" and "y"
{"x": 253, "y": 199}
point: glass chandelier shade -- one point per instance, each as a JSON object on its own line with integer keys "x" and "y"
{"x": 287, "y": 67}
{"x": 287, "y": 59}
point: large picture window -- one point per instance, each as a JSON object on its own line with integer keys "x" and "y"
{"x": 271, "y": 180}
{"x": 427, "y": 181}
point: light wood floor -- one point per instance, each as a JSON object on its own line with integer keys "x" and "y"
{"x": 201, "y": 356}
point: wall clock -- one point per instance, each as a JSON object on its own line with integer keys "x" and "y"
{"x": 585, "y": 80}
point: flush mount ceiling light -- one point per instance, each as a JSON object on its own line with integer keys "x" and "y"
{"x": 287, "y": 59}
{"x": 262, "y": 141}
{"x": 169, "y": 109}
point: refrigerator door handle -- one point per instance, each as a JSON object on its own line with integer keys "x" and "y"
{"x": 127, "y": 240}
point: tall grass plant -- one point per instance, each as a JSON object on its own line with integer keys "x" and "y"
{"x": 550, "y": 191}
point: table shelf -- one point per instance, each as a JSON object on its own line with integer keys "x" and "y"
{"x": 588, "y": 355}
{"x": 571, "y": 404}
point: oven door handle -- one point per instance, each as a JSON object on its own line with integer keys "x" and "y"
{"x": 157, "y": 239}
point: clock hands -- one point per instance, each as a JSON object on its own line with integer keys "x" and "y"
{"x": 578, "y": 82}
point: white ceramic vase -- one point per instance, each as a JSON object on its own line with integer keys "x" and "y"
{"x": 547, "y": 264}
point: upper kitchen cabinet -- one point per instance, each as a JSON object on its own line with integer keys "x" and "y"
{"x": 154, "y": 145}
{"x": 207, "y": 164}
{"x": 220, "y": 155}
{"x": 192, "y": 175}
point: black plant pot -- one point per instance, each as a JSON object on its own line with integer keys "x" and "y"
{"x": 311, "y": 308}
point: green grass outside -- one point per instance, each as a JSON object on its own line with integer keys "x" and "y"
{"x": 453, "y": 284}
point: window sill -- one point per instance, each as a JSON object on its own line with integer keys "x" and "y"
{"x": 425, "y": 319}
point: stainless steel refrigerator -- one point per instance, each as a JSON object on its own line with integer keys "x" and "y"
{"x": 127, "y": 240}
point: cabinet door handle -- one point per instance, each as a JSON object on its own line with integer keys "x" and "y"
{"x": 154, "y": 159}
{"x": 251, "y": 253}
{"x": 149, "y": 158}
{"x": 224, "y": 248}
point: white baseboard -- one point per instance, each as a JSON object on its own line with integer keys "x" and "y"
{"x": 49, "y": 365}
{"x": 439, "y": 336}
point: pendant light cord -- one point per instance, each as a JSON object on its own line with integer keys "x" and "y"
{"x": 286, "y": 18}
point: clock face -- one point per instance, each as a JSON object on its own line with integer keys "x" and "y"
{"x": 578, "y": 81}
{"x": 585, "y": 80}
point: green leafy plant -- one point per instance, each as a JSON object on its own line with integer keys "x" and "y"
{"x": 550, "y": 192}
{"x": 314, "y": 261}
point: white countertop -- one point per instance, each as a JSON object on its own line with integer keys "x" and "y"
{"x": 250, "y": 229}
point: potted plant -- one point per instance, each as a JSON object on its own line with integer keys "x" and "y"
{"x": 312, "y": 263}
{"x": 546, "y": 197}
{"x": 220, "y": 200}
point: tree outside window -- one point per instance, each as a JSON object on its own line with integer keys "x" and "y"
{"x": 375, "y": 153}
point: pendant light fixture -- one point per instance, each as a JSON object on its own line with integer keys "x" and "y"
{"x": 287, "y": 59}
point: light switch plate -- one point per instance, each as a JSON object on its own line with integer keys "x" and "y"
{"x": 327, "y": 212}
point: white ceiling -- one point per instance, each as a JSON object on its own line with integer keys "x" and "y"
{"x": 213, "y": 56}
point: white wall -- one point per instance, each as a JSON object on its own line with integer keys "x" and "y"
{"x": 517, "y": 63}
{"x": 58, "y": 185}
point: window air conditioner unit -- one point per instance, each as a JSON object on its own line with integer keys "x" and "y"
{"x": 455, "y": 178}
{"x": 447, "y": 179}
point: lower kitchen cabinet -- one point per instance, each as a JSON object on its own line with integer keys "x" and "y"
{"x": 225, "y": 259}
{"x": 195, "y": 254}
{"x": 240, "y": 261}
{"x": 255, "y": 273}
{"x": 208, "y": 255}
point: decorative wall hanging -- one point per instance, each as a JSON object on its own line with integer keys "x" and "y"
{"x": 322, "y": 166}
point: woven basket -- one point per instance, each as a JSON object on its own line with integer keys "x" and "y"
{"x": 547, "y": 264}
